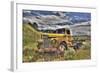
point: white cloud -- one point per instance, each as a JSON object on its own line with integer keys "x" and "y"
{"x": 26, "y": 11}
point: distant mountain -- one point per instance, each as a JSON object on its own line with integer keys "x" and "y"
{"x": 83, "y": 28}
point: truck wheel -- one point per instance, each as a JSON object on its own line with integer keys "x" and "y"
{"x": 62, "y": 47}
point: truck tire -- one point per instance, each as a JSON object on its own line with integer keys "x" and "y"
{"x": 62, "y": 47}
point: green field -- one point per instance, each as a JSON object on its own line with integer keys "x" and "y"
{"x": 31, "y": 54}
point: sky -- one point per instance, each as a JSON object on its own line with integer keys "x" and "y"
{"x": 74, "y": 17}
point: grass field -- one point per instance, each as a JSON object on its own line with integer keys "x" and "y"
{"x": 31, "y": 54}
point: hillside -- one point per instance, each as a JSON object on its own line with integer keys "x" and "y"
{"x": 83, "y": 28}
{"x": 30, "y": 36}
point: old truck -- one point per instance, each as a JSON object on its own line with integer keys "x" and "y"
{"x": 59, "y": 38}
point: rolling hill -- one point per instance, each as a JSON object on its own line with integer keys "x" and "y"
{"x": 30, "y": 36}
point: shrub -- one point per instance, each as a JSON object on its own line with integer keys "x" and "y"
{"x": 69, "y": 53}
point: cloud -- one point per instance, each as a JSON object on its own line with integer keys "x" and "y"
{"x": 26, "y": 11}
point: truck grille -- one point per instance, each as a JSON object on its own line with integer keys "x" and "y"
{"x": 46, "y": 43}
